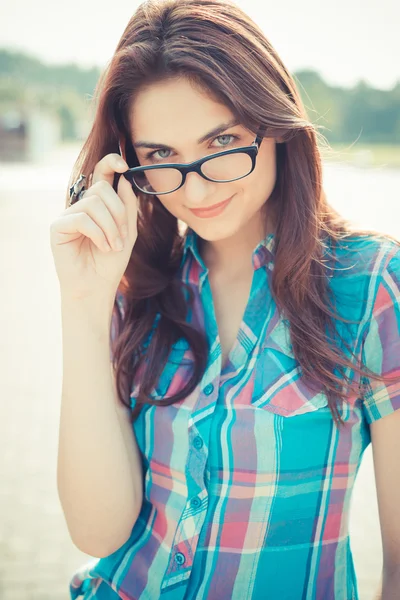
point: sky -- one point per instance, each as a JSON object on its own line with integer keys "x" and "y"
{"x": 345, "y": 40}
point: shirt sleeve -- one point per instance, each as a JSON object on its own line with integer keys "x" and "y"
{"x": 381, "y": 348}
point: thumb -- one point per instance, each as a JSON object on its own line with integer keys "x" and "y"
{"x": 129, "y": 198}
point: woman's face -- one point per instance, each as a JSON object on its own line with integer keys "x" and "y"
{"x": 175, "y": 115}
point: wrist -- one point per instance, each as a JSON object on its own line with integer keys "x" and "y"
{"x": 92, "y": 311}
{"x": 87, "y": 302}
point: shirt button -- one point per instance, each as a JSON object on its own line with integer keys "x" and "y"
{"x": 195, "y": 502}
{"x": 198, "y": 442}
{"x": 209, "y": 389}
{"x": 180, "y": 558}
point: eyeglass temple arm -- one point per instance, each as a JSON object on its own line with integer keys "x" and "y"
{"x": 260, "y": 136}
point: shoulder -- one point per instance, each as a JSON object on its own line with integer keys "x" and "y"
{"x": 362, "y": 270}
{"x": 366, "y": 254}
{"x": 358, "y": 263}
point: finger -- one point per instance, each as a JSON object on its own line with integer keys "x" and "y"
{"x": 71, "y": 226}
{"x": 97, "y": 207}
{"x": 111, "y": 199}
{"x": 107, "y": 166}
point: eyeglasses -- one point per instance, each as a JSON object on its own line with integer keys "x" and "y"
{"x": 221, "y": 167}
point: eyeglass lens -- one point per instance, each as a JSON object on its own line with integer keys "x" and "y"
{"x": 220, "y": 169}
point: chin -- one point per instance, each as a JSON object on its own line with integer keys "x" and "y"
{"x": 213, "y": 232}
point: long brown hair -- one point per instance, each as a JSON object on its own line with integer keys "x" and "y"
{"x": 218, "y": 47}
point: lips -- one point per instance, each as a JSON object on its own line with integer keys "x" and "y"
{"x": 212, "y": 210}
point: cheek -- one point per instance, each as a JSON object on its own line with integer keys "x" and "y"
{"x": 172, "y": 204}
{"x": 260, "y": 183}
{"x": 265, "y": 171}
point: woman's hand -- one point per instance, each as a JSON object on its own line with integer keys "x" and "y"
{"x": 82, "y": 235}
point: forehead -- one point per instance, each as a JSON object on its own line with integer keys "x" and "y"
{"x": 175, "y": 110}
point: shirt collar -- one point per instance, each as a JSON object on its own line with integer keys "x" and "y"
{"x": 263, "y": 254}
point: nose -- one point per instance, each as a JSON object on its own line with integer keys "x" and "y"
{"x": 197, "y": 189}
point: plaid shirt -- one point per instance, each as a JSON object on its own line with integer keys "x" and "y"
{"x": 248, "y": 481}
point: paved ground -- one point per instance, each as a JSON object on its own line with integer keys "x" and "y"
{"x": 36, "y": 554}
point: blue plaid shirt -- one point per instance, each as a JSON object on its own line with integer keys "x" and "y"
{"x": 247, "y": 481}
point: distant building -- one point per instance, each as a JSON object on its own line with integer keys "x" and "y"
{"x": 28, "y": 135}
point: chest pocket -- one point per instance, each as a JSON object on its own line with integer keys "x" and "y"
{"x": 176, "y": 371}
{"x": 279, "y": 386}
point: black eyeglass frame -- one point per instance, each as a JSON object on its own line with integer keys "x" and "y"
{"x": 195, "y": 166}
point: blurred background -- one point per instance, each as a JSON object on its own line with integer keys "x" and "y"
{"x": 344, "y": 57}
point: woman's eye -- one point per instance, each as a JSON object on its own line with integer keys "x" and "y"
{"x": 153, "y": 154}
{"x": 224, "y": 140}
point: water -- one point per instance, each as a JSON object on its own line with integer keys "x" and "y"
{"x": 370, "y": 197}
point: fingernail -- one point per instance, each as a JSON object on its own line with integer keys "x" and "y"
{"x": 121, "y": 163}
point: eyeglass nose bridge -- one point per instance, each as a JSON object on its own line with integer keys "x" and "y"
{"x": 194, "y": 167}
{"x": 190, "y": 169}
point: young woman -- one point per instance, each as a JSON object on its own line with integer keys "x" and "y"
{"x": 253, "y": 332}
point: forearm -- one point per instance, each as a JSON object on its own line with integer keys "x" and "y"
{"x": 99, "y": 478}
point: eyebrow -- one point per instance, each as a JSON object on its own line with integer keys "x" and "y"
{"x": 213, "y": 133}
